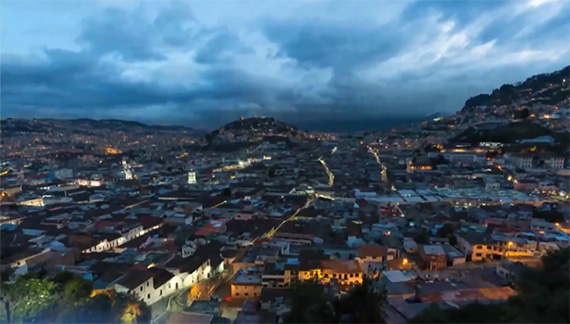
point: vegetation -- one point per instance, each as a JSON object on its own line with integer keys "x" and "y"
{"x": 543, "y": 298}
{"x": 508, "y": 93}
{"x": 510, "y": 133}
{"x": 421, "y": 238}
{"x": 362, "y": 305}
{"x": 27, "y": 298}
{"x": 552, "y": 216}
{"x": 446, "y": 231}
{"x": 521, "y": 113}
{"x": 438, "y": 160}
{"x": 311, "y": 304}
{"x": 67, "y": 299}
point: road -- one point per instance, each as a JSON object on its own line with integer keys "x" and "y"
{"x": 328, "y": 171}
{"x": 383, "y": 169}
{"x": 173, "y": 305}
{"x": 290, "y": 218}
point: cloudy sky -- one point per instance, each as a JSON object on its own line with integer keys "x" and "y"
{"x": 205, "y": 63}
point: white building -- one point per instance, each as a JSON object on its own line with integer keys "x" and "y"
{"x": 148, "y": 285}
{"x": 191, "y": 177}
{"x": 523, "y": 161}
{"x": 555, "y": 162}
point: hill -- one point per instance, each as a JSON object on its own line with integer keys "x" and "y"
{"x": 509, "y": 133}
{"x": 85, "y": 126}
{"x": 546, "y": 88}
{"x": 252, "y": 129}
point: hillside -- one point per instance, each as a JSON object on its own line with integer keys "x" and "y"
{"x": 85, "y": 126}
{"x": 254, "y": 128}
{"x": 509, "y": 133}
{"x": 547, "y": 88}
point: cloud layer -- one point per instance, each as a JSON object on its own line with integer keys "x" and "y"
{"x": 203, "y": 64}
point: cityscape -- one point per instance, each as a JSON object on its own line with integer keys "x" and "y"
{"x": 223, "y": 226}
{"x": 298, "y": 172}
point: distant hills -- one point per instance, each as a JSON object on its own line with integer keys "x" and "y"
{"x": 546, "y": 88}
{"x": 510, "y": 133}
{"x": 253, "y": 127}
{"x": 86, "y": 126}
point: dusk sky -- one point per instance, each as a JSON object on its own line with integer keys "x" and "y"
{"x": 204, "y": 63}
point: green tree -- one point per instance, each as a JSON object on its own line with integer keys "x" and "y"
{"x": 363, "y": 304}
{"x": 421, "y": 238}
{"x": 77, "y": 290}
{"x": 309, "y": 304}
{"x": 445, "y": 231}
{"x": 543, "y": 297}
{"x": 63, "y": 277}
{"x": 27, "y": 298}
{"x": 108, "y": 308}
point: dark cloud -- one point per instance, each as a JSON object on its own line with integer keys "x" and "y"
{"x": 119, "y": 32}
{"x": 176, "y": 24}
{"x": 322, "y": 43}
{"x": 221, "y": 46}
{"x": 170, "y": 67}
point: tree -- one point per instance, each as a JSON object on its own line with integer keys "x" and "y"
{"x": 131, "y": 313}
{"x": 77, "y": 290}
{"x": 452, "y": 239}
{"x": 491, "y": 154}
{"x": 63, "y": 277}
{"x": 309, "y": 304}
{"x": 549, "y": 215}
{"x": 27, "y": 298}
{"x": 521, "y": 113}
{"x": 438, "y": 160}
{"x": 543, "y": 297}
{"x": 109, "y": 308}
{"x": 421, "y": 238}
{"x": 363, "y": 304}
{"x": 445, "y": 231}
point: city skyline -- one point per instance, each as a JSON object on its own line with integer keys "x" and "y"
{"x": 202, "y": 64}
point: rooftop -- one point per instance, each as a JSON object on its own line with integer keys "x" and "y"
{"x": 245, "y": 278}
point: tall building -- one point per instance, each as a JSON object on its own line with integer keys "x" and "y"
{"x": 191, "y": 177}
{"x": 127, "y": 170}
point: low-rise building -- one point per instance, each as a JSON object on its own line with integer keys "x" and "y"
{"x": 246, "y": 284}
{"x": 433, "y": 256}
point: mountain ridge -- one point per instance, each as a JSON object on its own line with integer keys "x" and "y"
{"x": 508, "y": 94}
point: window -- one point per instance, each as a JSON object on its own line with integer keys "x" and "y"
{"x": 141, "y": 288}
{"x": 147, "y": 283}
{"x": 254, "y": 294}
{"x": 170, "y": 285}
{"x": 478, "y": 254}
{"x": 160, "y": 293}
{"x": 352, "y": 275}
{"x": 247, "y": 294}
{"x": 479, "y": 247}
{"x": 326, "y": 275}
{"x": 237, "y": 294}
{"x": 148, "y": 296}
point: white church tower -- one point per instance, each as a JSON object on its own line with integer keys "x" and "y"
{"x": 191, "y": 177}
